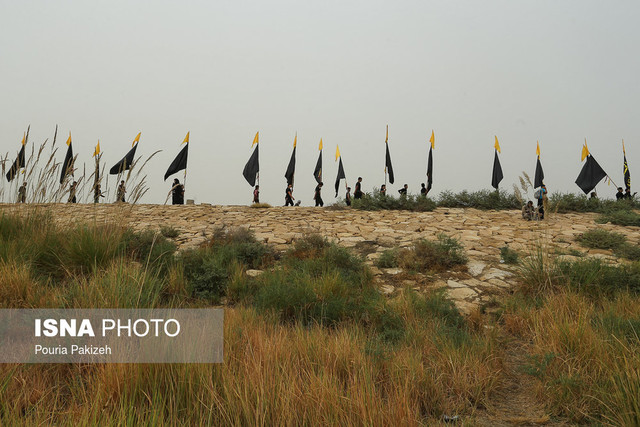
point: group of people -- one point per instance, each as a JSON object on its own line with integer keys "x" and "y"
{"x": 529, "y": 212}
{"x": 177, "y": 191}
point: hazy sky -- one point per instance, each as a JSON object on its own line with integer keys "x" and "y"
{"x": 553, "y": 71}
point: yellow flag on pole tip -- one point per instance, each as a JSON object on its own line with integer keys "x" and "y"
{"x": 538, "y": 148}
{"x": 255, "y": 139}
{"x": 497, "y": 145}
{"x": 97, "y": 150}
{"x": 69, "y": 139}
{"x": 186, "y": 139}
{"x": 320, "y": 145}
{"x": 432, "y": 140}
{"x": 136, "y": 139}
{"x": 337, "y": 153}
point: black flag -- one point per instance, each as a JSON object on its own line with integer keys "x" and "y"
{"x": 125, "y": 163}
{"x": 627, "y": 174}
{"x": 539, "y": 177}
{"x": 340, "y": 176}
{"x": 590, "y": 175}
{"x": 252, "y": 168}
{"x": 496, "y": 176}
{"x": 67, "y": 165}
{"x": 317, "y": 172}
{"x": 429, "y": 171}
{"x": 17, "y": 165}
{"x": 388, "y": 164}
{"x": 291, "y": 169}
{"x": 179, "y": 163}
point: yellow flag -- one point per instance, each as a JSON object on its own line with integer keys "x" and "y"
{"x": 497, "y": 145}
{"x": 337, "y": 153}
{"x": 186, "y": 139}
{"x": 386, "y": 138}
{"x": 97, "y": 150}
{"x": 623, "y": 150}
{"x": 538, "y": 148}
{"x": 432, "y": 140}
{"x": 255, "y": 140}
{"x": 320, "y": 146}
{"x": 24, "y": 136}
{"x": 69, "y": 139}
{"x": 136, "y": 139}
{"x": 585, "y": 151}
{"x": 295, "y": 141}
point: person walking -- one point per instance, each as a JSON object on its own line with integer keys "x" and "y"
{"x": 72, "y": 192}
{"x": 288, "y": 196}
{"x": 121, "y": 192}
{"x": 347, "y": 197}
{"x": 357, "y": 194}
{"x": 22, "y": 193}
{"x": 256, "y": 194}
{"x": 177, "y": 193}
{"x": 403, "y": 190}
{"x": 317, "y": 196}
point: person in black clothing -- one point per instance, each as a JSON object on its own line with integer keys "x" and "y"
{"x": 256, "y": 194}
{"x": 121, "y": 192}
{"x": 383, "y": 190}
{"x": 22, "y": 193}
{"x": 72, "y": 192}
{"x": 423, "y": 190}
{"x": 620, "y": 195}
{"x": 403, "y": 190}
{"x": 288, "y": 195}
{"x": 177, "y": 193}
{"x": 358, "y": 193}
{"x": 317, "y": 196}
{"x": 347, "y": 197}
{"x": 628, "y": 195}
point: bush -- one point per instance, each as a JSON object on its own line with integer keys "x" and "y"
{"x": 484, "y": 199}
{"x": 601, "y": 239}
{"x": 441, "y": 255}
{"x": 149, "y": 247}
{"x": 509, "y": 256}
{"x": 597, "y": 279}
{"x": 206, "y": 273}
{"x": 240, "y": 245}
{"x": 377, "y": 201}
{"x": 388, "y": 259}
{"x": 169, "y": 232}
{"x": 620, "y": 217}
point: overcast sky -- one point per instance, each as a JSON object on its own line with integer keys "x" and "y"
{"x": 553, "y": 71}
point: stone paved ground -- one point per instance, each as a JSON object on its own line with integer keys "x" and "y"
{"x": 482, "y": 233}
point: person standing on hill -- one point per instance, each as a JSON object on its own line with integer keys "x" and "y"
{"x": 317, "y": 196}
{"x": 288, "y": 196}
{"x": 22, "y": 193}
{"x": 357, "y": 194}
{"x": 72, "y": 192}
{"x": 619, "y": 194}
{"x": 256, "y": 194}
{"x": 423, "y": 190}
{"x": 403, "y": 190}
{"x": 541, "y": 195}
{"x": 383, "y": 190}
{"x": 121, "y": 192}
{"x": 177, "y": 193}
{"x": 347, "y": 197}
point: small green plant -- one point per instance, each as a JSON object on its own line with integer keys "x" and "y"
{"x": 484, "y": 199}
{"x": 441, "y": 255}
{"x": 601, "y": 239}
{"x": 388, "y": 259}
{"x": 169, "y": 232}
{"x": 508, "y": 255}
{"x": 620, "y": 217}
{"x": 377, "y": 201}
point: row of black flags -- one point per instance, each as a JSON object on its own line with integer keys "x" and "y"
{"x": 590, "y": 175}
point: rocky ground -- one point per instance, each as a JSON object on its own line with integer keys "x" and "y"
{"x": 482, "y": 233}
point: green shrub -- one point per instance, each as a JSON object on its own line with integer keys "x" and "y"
{"x": 388, "y": 259}
{"x": 425, "y": 255}
{"x": 628, "y": 251}
{"x": 620, "y": 217}
{"x": 205, "y": 272}
{"x": 483, "y": 199}
{"x": 377, "y": 201}
{"x": 169, "y": 232}
{"x": 601, "y": 239}
{"x": 597, "y": 279}
{"x": 508, "y": 255}
{"x": 149, "y": 247}
{"x": 240, "y": 245}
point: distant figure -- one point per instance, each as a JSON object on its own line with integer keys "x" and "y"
{"x": 620, "y": 195}
{"x": 403, "y": 190}
{"x": 347, "y": 197}
{"x": 528, "y": 211}
{"x": 177, "y": 193}
{"x": 72, "y": 192}
{"x": 594, "y": 195}
{"x": 121, "y": 192}
{"x": 358, "y": 193}
{"x": 541, "y": 194}
{"x": 288, "y": 196}
{"x": 97, "y": 193}
{"x": 256, "y": 194}
{"x": 383, "y": 189}
{"x": 22, "y": 193}
{"x": 628, "y": 195}
{"x": 423, "y": 190}
{"x": 317, "y": 196}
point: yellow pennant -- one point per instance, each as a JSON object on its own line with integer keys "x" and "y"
{"x": 585, "y": 150}
{"x": 432, "y": 140}
{"x": 497, "y": 145}
{"x": 623, "y": 150}
{"x": 320, "y": 146}
{"x": 97, "y": 150}
{"x": 255, "y": 140}
{"x": 136, "y": 139}
{"x": 295, "y": 140}
{"x": 24, "y": 136}
{"x": 337, "y": 153}
{"x": 538, "y": 148}
{"x": 69, "y": 139}
{"x": 186, "y": 139}
{"x": 386, "y": 138}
